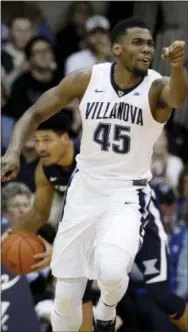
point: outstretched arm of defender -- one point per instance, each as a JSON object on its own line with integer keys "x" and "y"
{"x": 49, "y": 103}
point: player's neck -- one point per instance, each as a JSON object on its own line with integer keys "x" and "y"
{"x": 68, "y": 156}
{"x": 123, "y": 78}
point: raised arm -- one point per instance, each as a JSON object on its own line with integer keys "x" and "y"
{"x": 48, "y": 104}
{"x": 175, "y": 90}
{"x": 171, "y": 92}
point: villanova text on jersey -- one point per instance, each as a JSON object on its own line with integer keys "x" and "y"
{"x": 122, "y": 111}
{"x": 119, "y": 130}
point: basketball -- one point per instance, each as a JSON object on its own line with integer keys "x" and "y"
{"x": 18, "y": 250}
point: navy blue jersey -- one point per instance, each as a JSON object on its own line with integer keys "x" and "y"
{"x": 59, "y": 176}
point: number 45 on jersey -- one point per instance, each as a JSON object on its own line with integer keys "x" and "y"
{"x": 121, "y": 141}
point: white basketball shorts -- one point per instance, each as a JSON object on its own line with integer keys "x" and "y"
{"x": 90, "y": 219}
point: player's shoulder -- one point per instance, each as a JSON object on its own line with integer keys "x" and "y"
{"x": 101, "y": 70}
{"x": 155, "y": 81}
{"x": 80, "y": 78}
{"x": 77, "y": 79}
{"x": 154, "y": 75}
{"x": 103, "y": 65}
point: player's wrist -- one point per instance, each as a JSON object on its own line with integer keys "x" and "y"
{"x": 177, "y": 64}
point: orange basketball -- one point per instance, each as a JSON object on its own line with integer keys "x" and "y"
{"x": 18, "y": 249}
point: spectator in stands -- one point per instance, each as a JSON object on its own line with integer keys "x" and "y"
{"x": 178, "y": 139}
{"x": 16, "y": 201}
{"x": 6, "y": 122}
{"x": 69, "y": 39}
{"x": 98, "y": 46}
{"x": 165, "y": 166}
{"x": 168, "y": 205}
{"x": 179, "y": 260}
{"x": 97, "y": 50}
{"x": 41, "y": 76}
{"x": 13, "y": 59}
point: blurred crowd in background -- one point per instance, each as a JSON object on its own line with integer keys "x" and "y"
{"x": 35, "y": 56}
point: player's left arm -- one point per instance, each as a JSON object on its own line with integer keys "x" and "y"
{"x": 174, "y": 89}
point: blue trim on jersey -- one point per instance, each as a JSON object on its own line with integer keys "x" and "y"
{"x": 144, "y": 210}
{"x": 117, "y": 88}
{"x": 66, "y": 192}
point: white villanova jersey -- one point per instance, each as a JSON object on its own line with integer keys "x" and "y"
{"x": 119, "y": 131}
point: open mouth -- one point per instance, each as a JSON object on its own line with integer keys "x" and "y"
{"x": 145, "y": 61}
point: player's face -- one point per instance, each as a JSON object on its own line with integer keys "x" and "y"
{"x": 50, "y": 146}
{"x": 18, "y": 206}
{"x": 135, "y": 51}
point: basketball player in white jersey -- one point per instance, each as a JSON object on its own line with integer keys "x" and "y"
{"x": 124, "y": 107}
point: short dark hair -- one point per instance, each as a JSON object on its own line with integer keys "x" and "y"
{"x": 32, "y": 41}
{"x": 122, "y": 26}
{"x": 59, "y": 123}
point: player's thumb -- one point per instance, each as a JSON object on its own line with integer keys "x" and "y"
{"x": 45, "y": 243}
{"x": 165, "y": 52}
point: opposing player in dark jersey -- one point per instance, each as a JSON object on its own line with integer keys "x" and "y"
{"x": 57, "y": 153}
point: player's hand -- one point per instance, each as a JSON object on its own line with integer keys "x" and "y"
{"x": 174, "y": 53}
{"x": 44, "y": 258}
{"x": 10, "y": 165}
